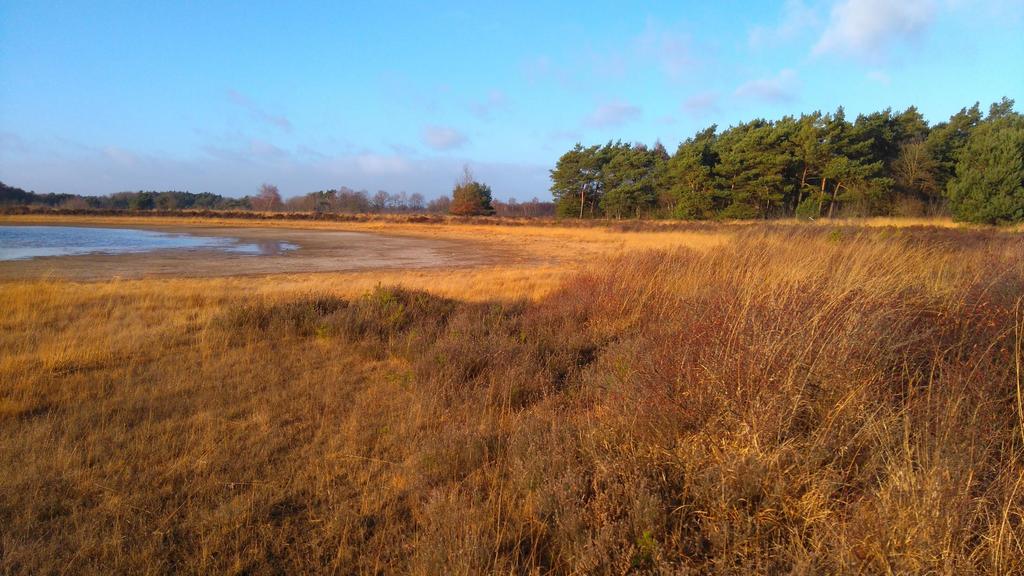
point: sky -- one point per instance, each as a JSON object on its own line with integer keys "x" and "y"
{"x": 99, "y": 97}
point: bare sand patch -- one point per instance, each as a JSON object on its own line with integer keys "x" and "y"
{"x": 318, "y": 251}
{"x": 462, "y": 260}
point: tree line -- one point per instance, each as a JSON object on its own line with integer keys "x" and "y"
{"x": 268, "y": 199}
{"x": 469, "y": 198}
{"x": 812, "y": 166}
{"x": 141, "y": 200}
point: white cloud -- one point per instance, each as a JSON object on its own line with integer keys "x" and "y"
{"x": 443, "y": 137}
{"x": 866, "y": 28}
{"x": 779, "y": 88}
{"x": 796, "y": 18}
{"x": 613, "y": 114}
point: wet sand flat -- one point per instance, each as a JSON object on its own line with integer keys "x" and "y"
{"x": 318, "y": 251}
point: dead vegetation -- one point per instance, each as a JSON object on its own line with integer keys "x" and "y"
{"x": 796, "y": 400}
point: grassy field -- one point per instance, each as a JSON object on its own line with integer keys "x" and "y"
{"x": 767, "y": 398}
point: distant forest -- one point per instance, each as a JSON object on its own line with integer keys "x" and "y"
{"x": 268, "y": 199}
{"x": 817, "y": 165}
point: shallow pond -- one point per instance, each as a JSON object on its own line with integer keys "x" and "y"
{"x": 26, "y": 242}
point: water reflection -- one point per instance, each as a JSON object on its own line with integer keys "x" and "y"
{"x": 25, "y": 242}
{"x": 264, "y": 248}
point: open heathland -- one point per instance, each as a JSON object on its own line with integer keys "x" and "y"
{"x": 766, "y": 398}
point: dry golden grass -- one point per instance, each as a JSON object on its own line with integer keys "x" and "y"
{"x": 777, "y": 399}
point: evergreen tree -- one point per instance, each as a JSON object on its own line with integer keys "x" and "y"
{"x": 809, "y": 156}
{"x": 576, "y": 181}
{"x": 629, "y": 178}
{"x": 989, "y": 184}
{"x": 753, "y": 173}
{"x": 945, "y": 140}
{"x": 910, "y": 126}
{"x": 859, "y": 171}
{"x": 816, "y": 165}
{"x": 470, "y": 198}
{"x": 688, "y": 181}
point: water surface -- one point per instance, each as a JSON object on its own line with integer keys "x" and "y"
{"x": 26, "y": 242}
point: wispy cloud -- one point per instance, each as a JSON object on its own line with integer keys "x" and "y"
{"x": 238, "y": 167}
{"x": 563, "y": 136}
{"x": 701, "y": 104}
{"x": 443, "y": 137}
{"x": 121, "y": 156}
{"x": 867, "y": 28}
{"x": 12, "y": 143}
{"x": 383, "y": 163}
{"x": 667, "y": 48}
{"x": 777, "y": 89}
{"x": 543, "y": 68}
{"x": 488, "y": 105}
{"x": 672, "y": 49}
{"x": 613, "y": 114}
{"x": 244, "y": 102}
{"x": 263, "y": 149}
{"x": 246, "y": 151}
{"x": 400, "y": 90}
{"x": 879, "y": 76}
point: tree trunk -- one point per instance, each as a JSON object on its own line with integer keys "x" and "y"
{"x": 832, "y": 202}
{"x": 583, "y": 191}
{"x": 821, "y": 197}
{"x": 803, "y": 182}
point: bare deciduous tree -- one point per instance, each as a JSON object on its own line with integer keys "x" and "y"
{"x": 268, "y": 199}
{"x": 914, "y": 169}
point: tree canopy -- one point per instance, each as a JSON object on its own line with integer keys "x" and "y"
{"x": 988, "y": 186}
{"x": 817, "y": 165}
{"x": 470, "y": 198}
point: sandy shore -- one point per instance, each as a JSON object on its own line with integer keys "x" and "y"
{"x": 318, "y": 251}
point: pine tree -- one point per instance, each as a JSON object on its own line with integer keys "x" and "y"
{"x": 818, "y": 164}
{"x": 469, "y": 197}
{"x": 754, "y": 166}
{"x": 947, "y": 139}
{"x": 629, "y": 178}
{"x": 576, "y": 181}
{"x": 688, "y": 182}
{"x": 989, "y": 184}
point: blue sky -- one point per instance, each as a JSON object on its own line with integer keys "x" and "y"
{"x": 98, "y": 97}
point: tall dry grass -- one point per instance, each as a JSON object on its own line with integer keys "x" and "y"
{"x": 798, "y": 400}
